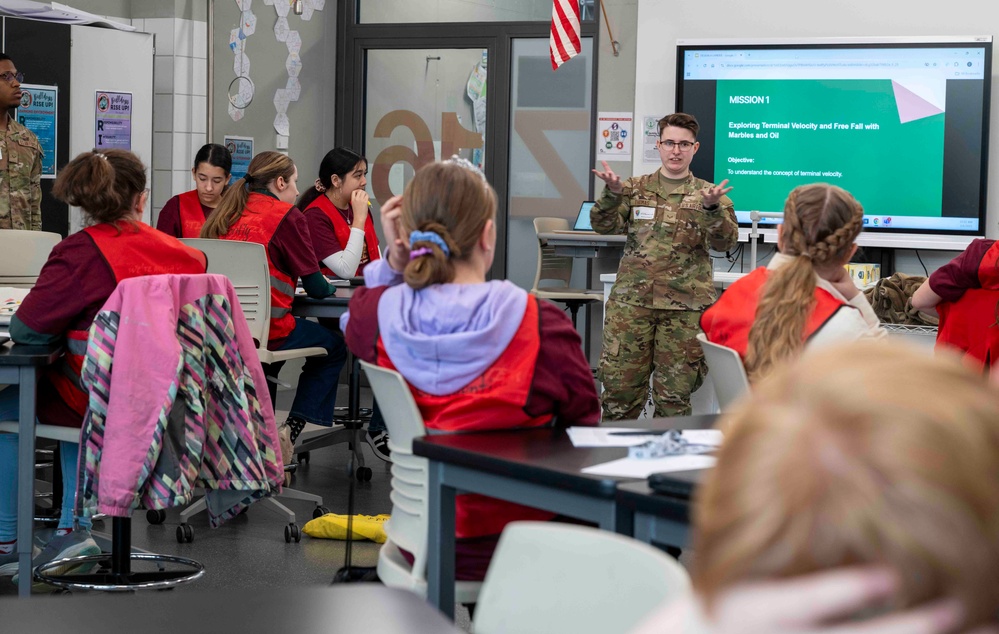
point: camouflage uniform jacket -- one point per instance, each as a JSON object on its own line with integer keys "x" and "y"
{"x": 666, "y": 263}
{"x": 20, "y": 186}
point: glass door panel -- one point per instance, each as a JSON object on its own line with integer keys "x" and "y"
{"x": 421, "y": 105}
{"x": 550, "y": 141}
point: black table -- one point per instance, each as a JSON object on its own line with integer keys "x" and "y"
{"x": 369, "y": 608}
{"x": 660, "y": 518}
{"x": 328, "y": 307}
{"x": 332, "y": 308}
{"x": 537, "y": 467}
{"x": 20, "y": 365}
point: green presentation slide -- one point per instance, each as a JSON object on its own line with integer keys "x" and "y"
{"x": 774, "y": 135}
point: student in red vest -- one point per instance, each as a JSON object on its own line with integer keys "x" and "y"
{"x": 344, "y": 240}
{"x": 183, "y": 215}
{"x": 477, "y": 355}
{"x": 81, "y": 273}
{"x": 260, "y": 208}
{"x": 965, "y": 294}
{"x": 804, "y": 296}
{"x": 343, "y": 233}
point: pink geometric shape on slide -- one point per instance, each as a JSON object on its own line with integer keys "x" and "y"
{"x": 910, "y": 105}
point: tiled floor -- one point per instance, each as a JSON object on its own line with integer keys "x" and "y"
{"x": 250, "y": 550}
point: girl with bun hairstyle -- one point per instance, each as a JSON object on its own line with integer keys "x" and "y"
{"x": 804, "y": 296}
{"x": 184, "y": 215}
{"x": 477, "y": 354}
{"x": 260, "y": 208}
{"x": 81, "y": 273}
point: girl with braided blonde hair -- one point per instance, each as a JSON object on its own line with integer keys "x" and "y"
{"x": 805, "y": 295}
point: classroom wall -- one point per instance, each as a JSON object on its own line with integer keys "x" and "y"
{"x": 616, "y": 74}
{"x": 312, "y": 116}
{"x": 660, "y": 23}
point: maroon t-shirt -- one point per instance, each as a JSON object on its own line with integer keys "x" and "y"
{"x": 290, "y": 251}
{"x": 71, "y": 289}
{"x": 960, "y": 274}
{"x": 324, "y": 240}
{"x": 169, "y": 219}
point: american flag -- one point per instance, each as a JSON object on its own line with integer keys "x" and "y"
{"x": 564, "y": 40}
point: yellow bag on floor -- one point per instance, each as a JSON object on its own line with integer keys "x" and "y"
{"x": 333, "y": 526}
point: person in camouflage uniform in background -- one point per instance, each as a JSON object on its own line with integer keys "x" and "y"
{"x": 664, "y": 280}
{"x": 20, "y": 159}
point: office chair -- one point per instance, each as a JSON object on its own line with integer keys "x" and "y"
{"x": 726, "y": 370}
{"x": 408, "y": 526}
{"x": 558, "y": 269}
{"x": 24, "y": 254}
{"x": 245, "y": 264}
{"x": 553, "y": 578}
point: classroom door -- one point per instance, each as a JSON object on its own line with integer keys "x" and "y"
{"x": 422, "y": 105}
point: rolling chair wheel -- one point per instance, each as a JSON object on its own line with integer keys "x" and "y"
{"x": 291, "y": 531}
{"x": 363, "y": 474}
{"x": 319, "y": 511}
{"x": 155, "y": 516}
{"x": 185, "y": 533}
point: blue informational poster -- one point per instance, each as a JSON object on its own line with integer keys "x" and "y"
{"x": 241, "y": 149}
{"x": 37, "y": 112}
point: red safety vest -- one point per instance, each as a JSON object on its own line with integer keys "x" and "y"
{"x": 970, "y": 326}
{"x": 258, "y": 223}
{"x": 342, "y": 231}
{"x": 132, "y": 251}
{"x": 988, "y": 268}
{"x": 494, "y": 401}
{"x": 728, "y": 321}
{"x": 970, "y": 323}
{"x": 192, "y": 214}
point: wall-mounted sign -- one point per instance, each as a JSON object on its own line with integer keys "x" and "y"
{"x": 37, "y": 112}
{"x": 113, "y": 120}
{"x": 241, "y": 149}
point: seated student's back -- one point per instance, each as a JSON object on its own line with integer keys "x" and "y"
{"x": 477, "y": 355}
{"x": 79, "y": 276}
{"x": 804, "y": 297}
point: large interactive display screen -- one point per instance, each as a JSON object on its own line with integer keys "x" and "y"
{"x": 903, "y": 125}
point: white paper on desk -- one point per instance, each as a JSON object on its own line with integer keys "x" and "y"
{"x": 636, "y": 468}
{"x": 602, "y": 437}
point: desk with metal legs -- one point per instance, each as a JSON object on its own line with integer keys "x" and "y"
{"x": 660, "y": 518}
{"x": 21, "y": 365}
{"x": 536, "y": 467}
{"x": 332, "y": 308}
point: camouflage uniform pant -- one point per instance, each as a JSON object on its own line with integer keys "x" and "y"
{"x": 642, "y": 342}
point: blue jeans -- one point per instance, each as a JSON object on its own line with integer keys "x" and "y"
{"x": 69, "y": 451}
{"x": 377, "y": 422}
{"x": 315, "y": 399}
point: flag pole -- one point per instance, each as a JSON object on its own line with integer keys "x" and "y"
{"x": 614, "y": 43}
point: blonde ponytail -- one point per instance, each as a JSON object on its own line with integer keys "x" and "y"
{"x": 821, "y": 223}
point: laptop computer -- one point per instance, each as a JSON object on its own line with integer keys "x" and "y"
{"x": 582, "y": 224}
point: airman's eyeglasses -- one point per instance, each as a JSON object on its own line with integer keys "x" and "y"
{"x": 669, "y": 145}
{"x": 9, "y": 77}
